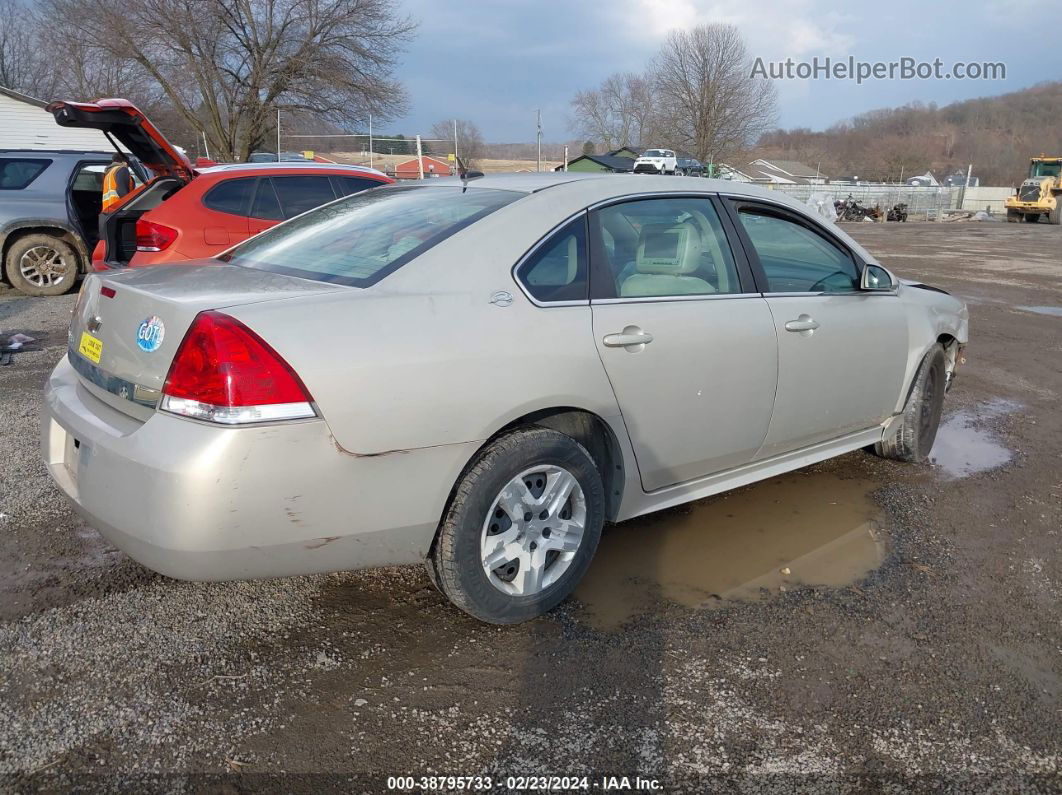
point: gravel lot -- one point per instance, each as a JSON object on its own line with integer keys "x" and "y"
{"x": 939, "y": 668}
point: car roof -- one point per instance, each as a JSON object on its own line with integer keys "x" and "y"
{"x": 288, "y": 165}
{"x": 56, "y": 152}
{"x": 606, "y": 185}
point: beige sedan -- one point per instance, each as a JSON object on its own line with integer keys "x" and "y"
{"x": 477, "y": 376}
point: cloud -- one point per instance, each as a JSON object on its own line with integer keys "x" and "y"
{"x": 787, "y": 28}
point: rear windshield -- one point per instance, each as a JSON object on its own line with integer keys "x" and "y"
{"x": 17, "y": 173}
{"x": 361, "y": 239}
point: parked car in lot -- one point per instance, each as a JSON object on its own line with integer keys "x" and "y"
{"x": 689, "y": 167}
{"x": 50, "y": 204}
{"x": 183, "y": 213}
{"x": 225, "y": 205}
{"x": 656, "y": 161}
{"x": 478, "y": 375}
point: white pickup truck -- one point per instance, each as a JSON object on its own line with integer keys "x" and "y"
{"x": 656, "y": 161}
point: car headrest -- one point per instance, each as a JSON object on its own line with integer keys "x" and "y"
{"x": 672, "y": 249}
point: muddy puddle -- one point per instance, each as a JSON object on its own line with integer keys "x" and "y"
{"x": 962, "y": 449}
{"x": 793, "y": 530}
{"x": 1055, "y": 311}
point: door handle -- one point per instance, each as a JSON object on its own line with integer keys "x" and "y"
{"x": 804, "y": 323}
{"x": 632, "y": 338}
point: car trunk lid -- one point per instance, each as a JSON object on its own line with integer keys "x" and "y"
{"x": 121, "y": 121}
{"x": 127, "y": 327}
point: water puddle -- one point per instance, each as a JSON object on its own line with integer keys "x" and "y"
{"x": 796, "y": 529}
{"x": 1055, "y": 311}
{"x": 961, "y": 449}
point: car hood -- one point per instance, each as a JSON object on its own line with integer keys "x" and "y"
{"x": 122, "y": 121}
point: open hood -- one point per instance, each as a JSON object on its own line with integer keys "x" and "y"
{"x": 120, "y": 120}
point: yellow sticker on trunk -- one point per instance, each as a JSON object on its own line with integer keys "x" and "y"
{"x": 90, "y": 347}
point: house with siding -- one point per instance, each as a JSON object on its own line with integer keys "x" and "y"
{"x": 27, "y": 125}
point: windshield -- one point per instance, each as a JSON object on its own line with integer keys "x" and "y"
{"x": 361, "y": 239}
{"x": 1047, "y": 169}
{"x": 655, "y": 153}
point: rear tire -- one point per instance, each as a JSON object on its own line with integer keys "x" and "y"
{"x": 499, "y": 566}
{"x": 41, "y": 265}
{"x": 921, "y": 417}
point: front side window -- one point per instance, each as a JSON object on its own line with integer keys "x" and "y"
{"x": 664, "y": 247}
{"x": 795, "y": 259}
{"x": 557, "y": 271}
{"x": 18, "y": 173}
{"x": 360, "y": 239}
{"x": 301, "y": 193}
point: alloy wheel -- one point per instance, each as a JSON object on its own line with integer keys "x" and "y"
{"x": 43, "y": 266}
{"x": 533, "y": 530}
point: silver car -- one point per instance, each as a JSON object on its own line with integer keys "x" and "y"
{"x": 476, "y": 376}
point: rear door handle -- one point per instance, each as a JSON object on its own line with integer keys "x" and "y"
{"x": 802, "y": 323}
{"x": 632, "y": 338}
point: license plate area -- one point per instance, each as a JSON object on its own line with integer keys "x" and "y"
{"x": 71, "y": 456}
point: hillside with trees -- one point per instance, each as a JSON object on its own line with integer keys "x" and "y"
{"x": 995, "y": 134}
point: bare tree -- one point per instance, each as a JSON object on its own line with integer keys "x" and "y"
{"x": 470, "y": 144}
{"x": 707, "y": 102}
{"x": 23, "y": 65}
{"x": 227, "y": 66}
{"x": 619, "y": 112}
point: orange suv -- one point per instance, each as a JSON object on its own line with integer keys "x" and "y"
{"x": 184, "y": 213}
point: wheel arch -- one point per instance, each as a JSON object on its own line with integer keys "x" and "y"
{"x": 588, "y": 428}
{"x": 13, "y": 234}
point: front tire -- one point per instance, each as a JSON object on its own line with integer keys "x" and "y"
{"x": 1055, "y": 216}
{"x": 41, "y": 265}
{"x": 921, "y": 417}
{"x": 522, "y": 527}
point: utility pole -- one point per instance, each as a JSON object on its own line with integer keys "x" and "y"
{"x": 205, "y": 147}
{"x": 457, "y": 161}
{"x": 370, "y": 140}
{"x": 278, "y": 135}
{"x": 420, "y": 159}
{"x": 538, "y": 167}
{"x": 565, "y": 157}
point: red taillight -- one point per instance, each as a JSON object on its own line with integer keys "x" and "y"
{"x": 224, "y": 372}
{"x": 153, "y": 237}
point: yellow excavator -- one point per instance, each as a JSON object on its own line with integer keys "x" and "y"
{"x": 1040, "y": 194}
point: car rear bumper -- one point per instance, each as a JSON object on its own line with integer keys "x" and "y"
{"x": 199, "y": 502}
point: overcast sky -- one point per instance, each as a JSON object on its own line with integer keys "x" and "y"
{"x": 496, "y": 61}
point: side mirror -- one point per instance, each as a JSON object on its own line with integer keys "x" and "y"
{"x": 876, "y": 279}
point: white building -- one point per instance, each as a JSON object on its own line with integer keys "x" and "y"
{"x": 27, "y": 125}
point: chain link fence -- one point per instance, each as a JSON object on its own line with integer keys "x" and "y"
{"x": 923, "y": 203}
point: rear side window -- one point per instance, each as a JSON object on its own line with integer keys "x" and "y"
{"x": 662, "y": 247}
{"x": 351, "y": 185}
{"x": 557, "y": 271}
{"x": 18, "y": 173}
{"x": 231, "y": 196}
{"x": 361, "y": 239}
{"x": 301, "y": 193}
{"x": 266, "y": 204}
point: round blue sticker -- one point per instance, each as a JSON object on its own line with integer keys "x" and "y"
{"x": 149, "y": 335}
